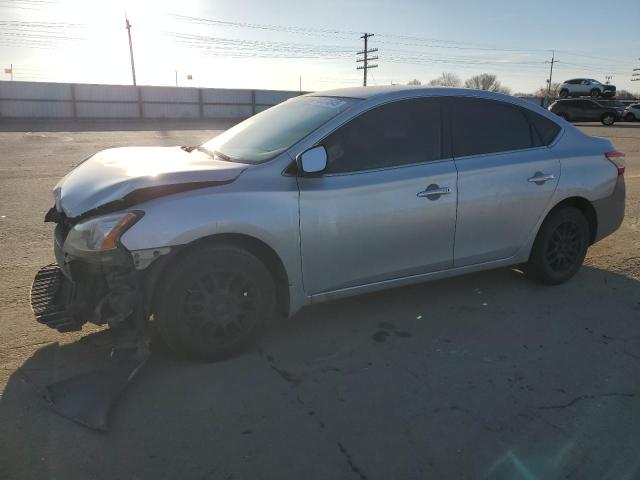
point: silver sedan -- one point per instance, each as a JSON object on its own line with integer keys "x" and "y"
{"x": 324, "y": 196}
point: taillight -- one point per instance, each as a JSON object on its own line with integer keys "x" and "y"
{"x": 617, "y": 158}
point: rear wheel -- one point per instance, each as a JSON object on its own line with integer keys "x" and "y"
{"x": 214, "y": 301}
{"x": 608, "y": 119}
{"x": 564, "y": 93}
{"x": 560, "y": 247}
{"x": 595, "y": 93}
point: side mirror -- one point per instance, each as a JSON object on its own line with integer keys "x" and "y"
{"x": 313, "y": 161}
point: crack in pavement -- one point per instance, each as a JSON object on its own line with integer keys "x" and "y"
{"x": 586, "y": 397}
{"x": 288, "y": 376}
{"x": 349, "y": 459}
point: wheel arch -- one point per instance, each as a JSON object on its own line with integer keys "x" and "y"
{"x": 261, "y": 250}
{"x": 587, "y": 209}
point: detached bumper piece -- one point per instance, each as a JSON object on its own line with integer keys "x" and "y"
{"x": 50, "y": 293}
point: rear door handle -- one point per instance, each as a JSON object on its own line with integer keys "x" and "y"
{"x": 539, "y": 178}
{"x": 433, "y": 192}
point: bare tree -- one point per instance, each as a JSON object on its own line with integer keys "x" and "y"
{"x": 626, "y": 95}
{"x": 447, "y": 79}
{"x": 415, "y": 81}
{"x": 486, "y": 81}
{"x": 553, "y": 92}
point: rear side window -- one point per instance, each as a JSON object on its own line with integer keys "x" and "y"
{"x": 398, "y": 133}
{"x": 546, "y": 129}
{"x": 486, "y": 126}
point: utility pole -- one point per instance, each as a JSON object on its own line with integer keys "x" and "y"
{"x": 366, "y": 58}
{"x": 553, "y": 60}
{"x": 176, "y": 78}
{"x": 133, "y": 66}
{"x": 300, "y": 83}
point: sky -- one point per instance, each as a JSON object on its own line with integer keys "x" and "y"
{"x": 282, "y": 44}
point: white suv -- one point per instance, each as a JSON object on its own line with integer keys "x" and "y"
{"x": 632, "y": 112}
{"x": 580, "y": 87}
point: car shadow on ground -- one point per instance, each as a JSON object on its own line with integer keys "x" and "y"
{"x": 482, "y": 376}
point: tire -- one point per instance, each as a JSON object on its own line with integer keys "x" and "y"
{"x": 630, "y": 117}
{"x": 564, "y": 93}
{"x": 564, "y": 116}
{"x": 214, "y": 301}
{"x": 594, "y": 93}
{"x": 560, "y": 247}
{"x": 608, "y": 119}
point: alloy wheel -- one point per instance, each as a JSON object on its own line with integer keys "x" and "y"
{"x": 564, "y": 247}
{"x": 220, "y": 306}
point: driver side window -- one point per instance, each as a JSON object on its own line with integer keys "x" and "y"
{"x": 395, "y": 134}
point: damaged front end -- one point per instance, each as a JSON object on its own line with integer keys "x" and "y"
{"x": 94, "y": 280}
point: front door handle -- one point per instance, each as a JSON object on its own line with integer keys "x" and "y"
{"x": 539, "y": 178}
{"x": 433, "y": 192}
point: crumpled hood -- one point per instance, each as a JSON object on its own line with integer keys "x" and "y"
{"x": 113, "y": 174}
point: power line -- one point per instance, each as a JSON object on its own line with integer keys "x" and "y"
{"x": 366, "y": 58}
{"x": 383, "y": 37}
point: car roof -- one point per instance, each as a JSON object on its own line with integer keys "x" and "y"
{"x": 400, "y": 91}
{"x": 381, "y": 94}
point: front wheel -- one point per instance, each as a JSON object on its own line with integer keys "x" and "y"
{"x": 560, "y": 247}
{"x": 564, "y": 93}
{"x": 608, "y": 119}
{"x": 630, "y": 117}
{"x": 213, "y": 301}
{"x": 595, "y": 93}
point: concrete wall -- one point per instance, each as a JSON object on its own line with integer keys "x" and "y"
{"x": 68, "y": 100}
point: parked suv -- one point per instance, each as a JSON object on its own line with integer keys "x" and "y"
{"x": 618, "y": 105}
{"x": 584, "y": 110}
{"x": 324, "y": 196}
{"x": 580, "y": 87}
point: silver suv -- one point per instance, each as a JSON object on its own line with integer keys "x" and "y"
{"x": 324, "y": 196}
{"x": 582, "y": 87}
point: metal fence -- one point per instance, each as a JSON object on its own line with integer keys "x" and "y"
{"x": 74, "y": 100}
{"x": 83, "y": 101}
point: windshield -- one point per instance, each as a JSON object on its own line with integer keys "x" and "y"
{"x": 271, "y": 132}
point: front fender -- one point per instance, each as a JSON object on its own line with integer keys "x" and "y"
{"x": 268, "y": 214}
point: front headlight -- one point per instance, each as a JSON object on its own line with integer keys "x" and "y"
{"x": 100, "y": 234}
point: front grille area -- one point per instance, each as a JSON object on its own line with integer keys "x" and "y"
{"x": 50, "y": 293}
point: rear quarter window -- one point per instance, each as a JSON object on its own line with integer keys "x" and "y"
{"x": 546, "y": 129}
